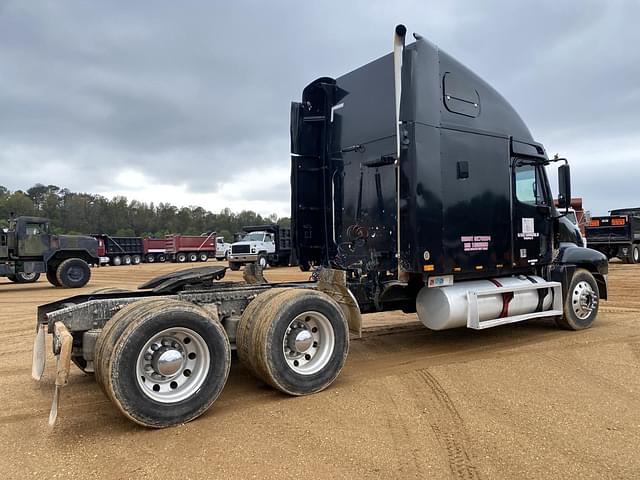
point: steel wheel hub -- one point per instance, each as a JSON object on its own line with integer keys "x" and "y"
{"x": 75, "y": 274}
{"x": 167, "y": 362}
{"x": 308, "y": 343}
{"x": 173, "y": 365}
{"x": 584, "y": 300}
{"x": 300, "y": 340}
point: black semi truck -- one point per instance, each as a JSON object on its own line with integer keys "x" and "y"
{"x": 28, "y": 248}
{"x": 415, "y": 186}
{"x": 616, "y": 235}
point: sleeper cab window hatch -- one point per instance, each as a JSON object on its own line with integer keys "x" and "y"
{"x": 460, "y": 97}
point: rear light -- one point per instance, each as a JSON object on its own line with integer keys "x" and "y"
{"x": 594, "y": 223}
{"x": 617, "y": 221}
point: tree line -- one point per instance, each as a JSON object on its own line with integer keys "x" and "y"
{"x": 86, "y": 213}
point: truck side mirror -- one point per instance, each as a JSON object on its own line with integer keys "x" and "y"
{"x": 564, "y": 186}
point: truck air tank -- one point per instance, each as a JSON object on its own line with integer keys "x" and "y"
{"x": 446, "y": 307}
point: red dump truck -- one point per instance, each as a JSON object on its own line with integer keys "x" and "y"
{"x": 190, "y": 248}
{"x": 155, "y": 250}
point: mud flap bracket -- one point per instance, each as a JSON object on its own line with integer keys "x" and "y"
{"x": 63, "y": 364}
{"x": 334, "y": 283}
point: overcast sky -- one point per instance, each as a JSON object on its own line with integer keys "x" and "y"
{"x": 188, "y": 102}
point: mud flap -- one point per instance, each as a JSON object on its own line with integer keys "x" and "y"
{"x": 63, "y": 364}
{"x": 334, "y": 283}
{"x": 252, "y": 274}
{"x": 39, "y": 353}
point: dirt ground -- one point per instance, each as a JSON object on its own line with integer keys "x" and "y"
{"x": 519, "y": 401}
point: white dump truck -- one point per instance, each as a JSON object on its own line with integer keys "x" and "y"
{"x": 263, "y": 244}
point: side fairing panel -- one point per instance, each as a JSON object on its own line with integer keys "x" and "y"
{"x": 477, "y": 231}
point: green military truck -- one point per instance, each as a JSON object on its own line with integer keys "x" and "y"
{"x": 27, "y": 249}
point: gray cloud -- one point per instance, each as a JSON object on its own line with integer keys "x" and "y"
{"x": 196, "y": 92}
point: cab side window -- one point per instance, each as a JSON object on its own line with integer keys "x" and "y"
{"x": 528, "y": 185}
{"x": 34, "y": 229}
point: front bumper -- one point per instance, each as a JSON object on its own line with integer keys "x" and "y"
{"x": 243, "y": 257}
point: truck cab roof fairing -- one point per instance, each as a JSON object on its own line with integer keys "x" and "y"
{"x": 440, "y": 97}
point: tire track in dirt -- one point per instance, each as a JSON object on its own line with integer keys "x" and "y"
{"x": 574, "y": 364}
{"x": 449, "y": 429}
{"x": 635, "y": 349}
{"x": 17, "y": 370}
{"x": 398, "y": 426}
{"x": 13, "y": 352}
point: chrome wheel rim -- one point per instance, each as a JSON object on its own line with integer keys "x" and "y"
{"x": 583, "y": 300}
{"x": 636, "y": 254}
{"x": 173, "y": 365}
{"x": 308, "y": 343}
{"x": 28, "y": 276}
{"x": 262, "y": 262}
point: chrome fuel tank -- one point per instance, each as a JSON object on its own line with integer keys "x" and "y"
{"x": 447, "y": 307}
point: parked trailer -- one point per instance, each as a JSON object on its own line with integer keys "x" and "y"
{"x": 433, "y": 199}
{"x": 28, "y": 248}
{"x": 616, "y": 235}
{"x": 120, "y": 250}
{"x": 155, "y": 250}
{"x": 190, "y": 248}
{"x": 263, "y": 244}
{"x": 576, "y": 214}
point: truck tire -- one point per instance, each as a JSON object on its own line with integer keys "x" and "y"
{"x": 234, "y": 266}
{"x": 73, "y": 273}
{"x": 246, "y": 324}
{"x": 193, "y": 257}
{"x": 22, "y": 277}
{"x": 150, "y": 258}
{"x": 181, "y": 257}
{"x": 262, "y": 261}
{"x": 12, "y": 278}
{"x": 582, "y": 302}
{"x": 162, "y": 258}
{"x": 305, "y": 266}
{"x": 299, "y": 342}
{"x": 136, "y": 259}
{"x": 203, "y": 257}
{"x": 110, "y": 333}
{"x": 116, "y": 261}
{"x": 126, "y": 260}
{"x": 51, "y": 276}
{"x": 633, "y": 255}
{"x": 177, "y": 385}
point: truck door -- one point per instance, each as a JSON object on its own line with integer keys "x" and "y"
{"x": 33, "y": 239}
{"x": 532, "y": 223}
